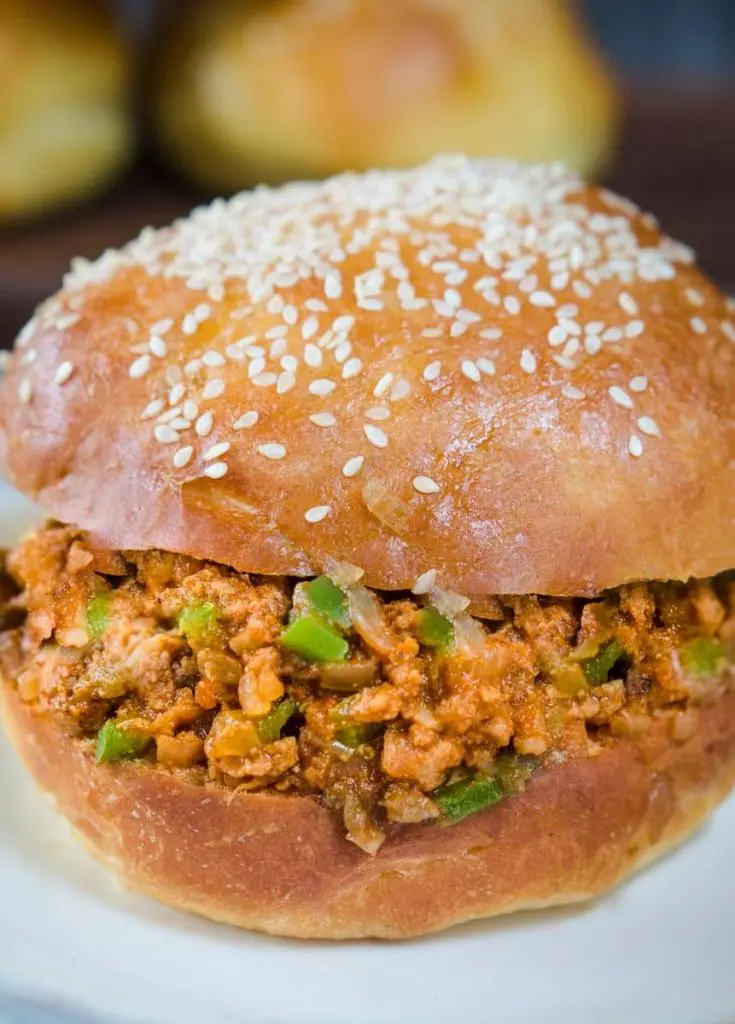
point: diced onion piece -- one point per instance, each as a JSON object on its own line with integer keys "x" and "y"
{"x": 344, "y": 574}
{"x": 366, "y": 614}
{"x": 447, "y": 603}
{"x": 469, "y": 636}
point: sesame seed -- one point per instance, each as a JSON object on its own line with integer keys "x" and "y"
{"x": 378, "y": 412}
{"x": 383, "y": 384}
{"x": 569, "y": 391}
{"x": 568, "y": 311}
{"x": 216, "y": 450}
{"x": 272, "y": 451}
{"x": 542, "y": 299}
{"x": 432, "y": 371}
{"x": 317, "y": 513}
{"x": 634, "y": 328}
{"x": 316, "y": 306}
{"x": 353, "y": 466}
{"x": 351, "y": 368}
{"x": 152, "y": 409}
{"x": 179, "y": 423}
{"x": 176, "y": 394}
{"x": 212, "y": 358}
{"x": 486, "y": 366}
{"x": 265, "y": 380}
{"x": 216, "y": 471}
{"x": 247, "y": 420}
{"x": 204, "y": 424}
{"x": 612, "y": 334}
{"x": 312, "y": 355}
{"x": 620, "y": 397}
{"x": 213, "y": 389}
{"x": 343, "y": 323}
{"x": 728, "y": 330}
{"x": 161, "y": 326}
{"x": 158, "y": 347}
{"x": 458, "y": 328}
{"x": 191, "y": 410}
{"x": 698, "y": 325}
{"x": 290, "y": 315}
{"x": 639, "y": 383}
{"x": 528, "y": 361}
{"x": 425, "y": 582}
{"x": 425, "y": 485}
{"x": 322, "y": 387}
{"x": 695, "y": 297}
{"x": 63, "y": 373}
{"x": 193, "y": 367}
{"x": 257, "y": 366}
{"x": 285, "y": 382}
{"x": 202, "y": 311}
{"x": 400, "y": 390}
{"x": 140, "y": 367}
{"x": 432, "y": 332}
{"x": 183, "y": 456}
{"x": 375, "y": 435}
{"x": 309, "y": 328}
{"x": 323, "y": 419}
{"x": 164, "y": 433}
{"x": 635, "y": 446}
{"x": 649, "y": 426}
{"x": 491, "y": 333}
{"x": 333, "y": 285}
{"x": 342, "y": 351}
{"x": 511, "y": 305}
{"x": 557, "y": 335}
{"x": 290, "y": 363}
{"x": 592, "y": 344}
{"x": 190, "y": 324}
{"x": 276, "y": 333}
{"x": 628, "y": 304}
{"x": 470, "y": 370}
{"x": 25, "y": 390}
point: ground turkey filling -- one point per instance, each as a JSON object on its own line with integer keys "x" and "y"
{"x": 392, "y": 709}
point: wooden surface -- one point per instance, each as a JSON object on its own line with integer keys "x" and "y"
{"x": 677, "y": 158}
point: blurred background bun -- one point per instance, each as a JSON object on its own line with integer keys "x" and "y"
{"x": 250, "y": 90}
{"x": 65, "y": 125}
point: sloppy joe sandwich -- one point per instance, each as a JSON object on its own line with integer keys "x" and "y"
{"x": 387, "y": 583}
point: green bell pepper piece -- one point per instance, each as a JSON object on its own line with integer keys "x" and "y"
{"x": 313, "y": 639}
{"x": 458, "y": 800}
{"x": 328, "y": 600}
{"x": 116, "y": 744}
{"x": 269, "y": 727}
{"x": 434, "y": 629}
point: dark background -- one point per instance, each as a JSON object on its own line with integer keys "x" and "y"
{"x": 666, "y": 37}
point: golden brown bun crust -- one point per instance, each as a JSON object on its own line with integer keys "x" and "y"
{"x": 281, "y": 864}
{"x": 266, "y": 92}
{"x": 559, "y": 470}
{"x": 65, "y": 125}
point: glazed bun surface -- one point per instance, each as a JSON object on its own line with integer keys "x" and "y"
{"x": 64, "y": 103}
{"x": 249, "y": 92}
{"x": 488, "y": 370}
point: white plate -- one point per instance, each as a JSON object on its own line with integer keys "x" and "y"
{"x": 661, "y": 950}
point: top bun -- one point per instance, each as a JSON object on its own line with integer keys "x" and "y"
{"x": 248, "y": 92}
{"x": 489, "y": 370}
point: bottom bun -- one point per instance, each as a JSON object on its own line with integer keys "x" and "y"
{"x": 281, "y": 864}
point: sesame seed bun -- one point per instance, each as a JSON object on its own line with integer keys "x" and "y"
{"x": 245, "y": 92}
{"x": 279, "y": 863}
{"x": 488, "y": 370}
{"x": 65, "y": 119}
